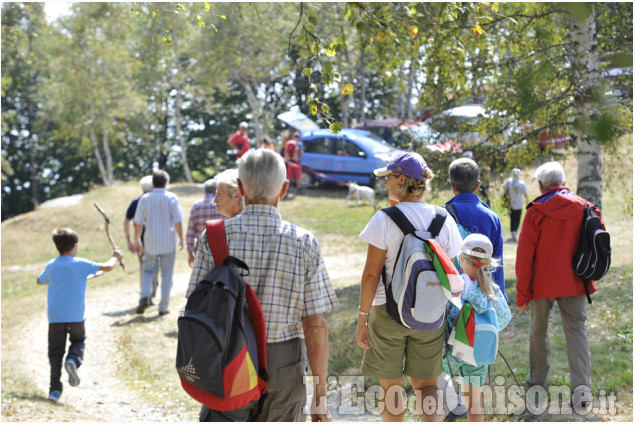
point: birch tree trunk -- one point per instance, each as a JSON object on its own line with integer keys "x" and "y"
{"x": 400, "y": 95}
{"x": 344, "y": 99}
{"x": 255, "y": 108}
{"x": 586, "y": 68}
{"x": 177, "y": 118}
{"x": 411, "y": 80}
{"x": 362, "y": 89}
{"x": 108, "y": 155}
{"x": 100, "y": 162}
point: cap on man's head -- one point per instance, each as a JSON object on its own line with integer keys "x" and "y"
{"x": 516, "y": 172}
{"x": 409, "y": 164}
{"x": 476, "y": 240}
{"x": 243, "y": 125}
{"x": 146, "y": 184}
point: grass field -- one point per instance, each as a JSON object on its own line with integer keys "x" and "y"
{"x": 145, "y": 353}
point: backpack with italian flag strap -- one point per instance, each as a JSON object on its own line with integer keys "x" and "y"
{"x": 474, "y": 337}
{"x": 221, "y": 349}
{"x": 424, "y": 278}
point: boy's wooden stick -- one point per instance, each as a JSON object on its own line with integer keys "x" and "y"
{"x": 107, "y": 220}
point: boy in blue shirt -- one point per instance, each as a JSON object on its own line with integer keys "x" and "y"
{"x": 66, "y": 276}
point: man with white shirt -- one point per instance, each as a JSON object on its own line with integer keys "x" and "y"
{"x": 159, "y": 211}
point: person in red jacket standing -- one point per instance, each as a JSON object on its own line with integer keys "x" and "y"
{"x": 239, "y": 140}
{"x": 544, "y": 271}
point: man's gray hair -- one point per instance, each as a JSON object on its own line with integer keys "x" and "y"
{"x": 550, "y": 174}
{"x": 464, "y": 175}
{"x": 230, "y": 178}
{"x": 210, "y": 186}
{"x": 243, "y": 125}
{"x": 262, "y": 173}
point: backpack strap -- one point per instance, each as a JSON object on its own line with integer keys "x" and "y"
{"x": 437, "y": 221}
{"x": 451, "y": 209}
{"x": 406, "y": 226}
{"x": 400, "y": 219}
{"x": 217, "y": 241}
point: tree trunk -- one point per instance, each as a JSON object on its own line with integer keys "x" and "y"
{"x": 33, "y": 170}
{"x": 362, "y": 89}
{"x": 108, "y": 155}
{"x": 255, "y": 109}
{"x": 400, "y": 95}
{"x": 344, "y": 99}
{"x": 100, "y": 162}
{"x": 179, "y": 135}
{"x": 177, "y": 118}
{"x": 586, "y": 69}
{"x": 411, "y": 80}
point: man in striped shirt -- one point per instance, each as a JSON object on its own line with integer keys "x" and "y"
{"x": 159, "y": 211}
{"x": 202, "y": 210}
{"x": 287, "y": 272}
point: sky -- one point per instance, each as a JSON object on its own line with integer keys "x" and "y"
{"x": 56, "y": 8}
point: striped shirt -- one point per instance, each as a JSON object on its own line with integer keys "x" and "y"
{"x": 286, "y": 269}
{"x": 202, "y": 210}
{"x": 158, "y": 210}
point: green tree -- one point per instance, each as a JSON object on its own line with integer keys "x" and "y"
{"x": 23, "y": 73}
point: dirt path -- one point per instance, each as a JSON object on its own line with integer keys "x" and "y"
{"x": 101, "y": 395}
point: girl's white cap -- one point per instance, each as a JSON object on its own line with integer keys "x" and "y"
{"x": 476, "y": 240}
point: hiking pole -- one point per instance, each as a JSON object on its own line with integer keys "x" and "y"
{"x": 107, "y": 224}
{"x": 517, "y": 383}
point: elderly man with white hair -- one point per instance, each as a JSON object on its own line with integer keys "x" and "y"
{"x": 544, "y": 271}
{"x": 288, "y": 274}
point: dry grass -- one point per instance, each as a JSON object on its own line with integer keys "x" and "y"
{"x": 147, "y": 347}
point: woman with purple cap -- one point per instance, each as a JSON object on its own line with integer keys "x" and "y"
{"x": 391, "y": 349}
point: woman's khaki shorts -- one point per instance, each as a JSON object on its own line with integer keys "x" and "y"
{"x": 390, "y": 342}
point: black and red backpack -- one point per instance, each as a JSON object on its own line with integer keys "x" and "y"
{"x": 221, "y": 351}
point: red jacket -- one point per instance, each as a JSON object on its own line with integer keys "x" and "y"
{"x": 548, "y": 241}
{"x": 241, "y": 142}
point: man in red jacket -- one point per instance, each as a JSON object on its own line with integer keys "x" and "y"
{"x": 547, "y": 244}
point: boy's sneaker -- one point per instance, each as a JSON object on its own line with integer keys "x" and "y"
{"x": 71, "y": 368}
{"x": 54, "y": 396}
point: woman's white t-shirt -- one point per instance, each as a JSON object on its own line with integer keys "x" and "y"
{"x": 383, "y": 233}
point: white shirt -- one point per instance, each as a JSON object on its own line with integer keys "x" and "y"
{"x": 515, "y": 188}
{"x": 158, "y": 211}
{"x": 383, "y": 233}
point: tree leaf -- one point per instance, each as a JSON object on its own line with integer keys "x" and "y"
{"x": 336, "y": 127}
{"x": 347, "y": 90}
{"x": 494, "y": 7}
{"x": 313, "y": 109}
{"x": 361, "y": 26}
{"x": 201, "y": 24}
{"x": 314, "y": 87}
{"x": 315, "y": 48}
{"x": 223, "y": 17}
{"x": 381, "y": 37}
{"x": 207, "y": 5}
{"x": 307, "y": 71}
{"x": 412, "y": 31}
{"x": 330, "y": 50}
{"x": 325, "y": 108}
{"x": 477, "y": 30}
{"x": 327, "y": 68}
